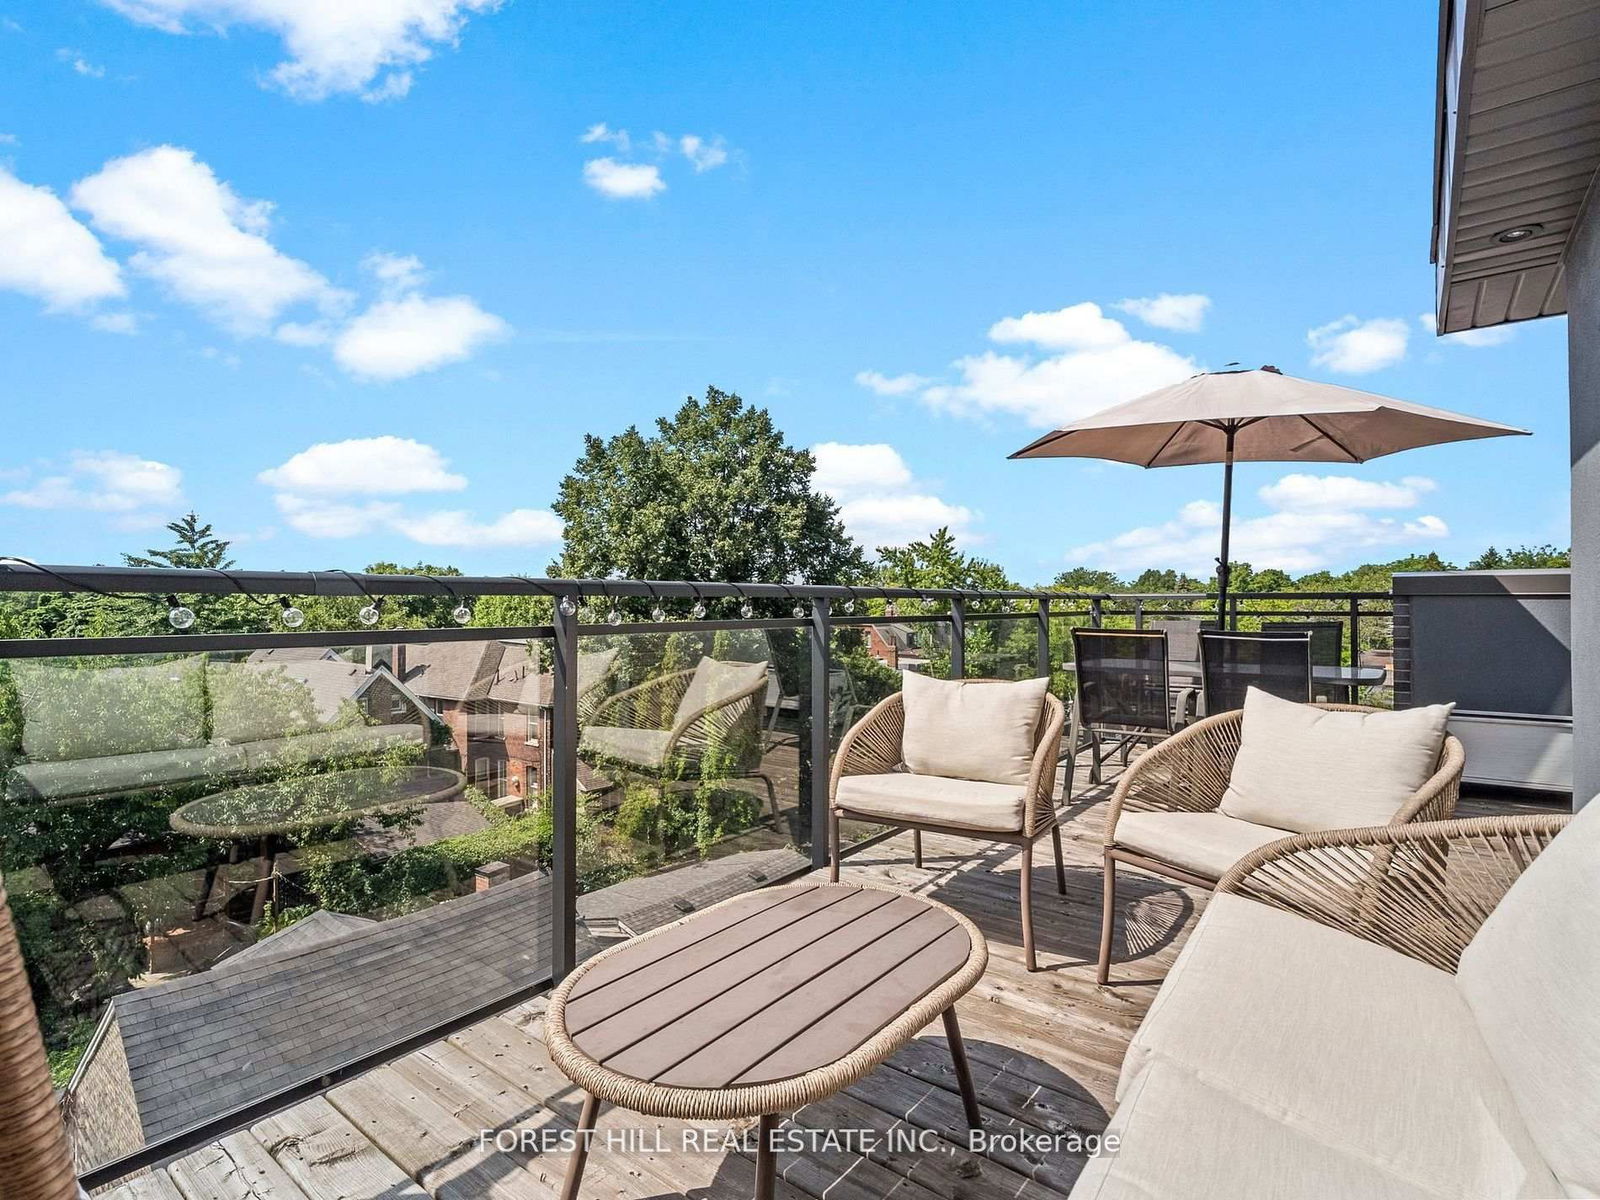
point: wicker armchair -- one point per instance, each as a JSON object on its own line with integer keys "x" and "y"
{"x": 1189, "y": 772}
{"x": 873, "y": 747}
{"x": 664, "y": 730}
{"x": 1422, "y": 889}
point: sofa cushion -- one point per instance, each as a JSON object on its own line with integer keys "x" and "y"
{"x": 1206, "y": 843}
{"x": 257, "y": 702}
{"x": 1343, "y": 1041}
{"x": 1181, "y": 1139}
{"x": 118, "y": 774}
{"x": 1304, "y": 768}
{"x": 971, "y": 729}
{"x": 962, "y": 803}
{"x": 356, "y": 742}
{"x": 1532, "y": 979}
{"x": 99, "y": 712}
{"x": 637, "y": 747}
{"x": 714, "y": 683}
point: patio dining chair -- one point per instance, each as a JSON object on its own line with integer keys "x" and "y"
{"x": 701, "y": 723}
{"x": 1235, "y": 781}
{"x": 1232, "y": 663}
{"x": 1124, "y": 694}
{"x": 972, "y": 758}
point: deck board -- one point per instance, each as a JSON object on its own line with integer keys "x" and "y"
{"x": 1045, "y": 1049}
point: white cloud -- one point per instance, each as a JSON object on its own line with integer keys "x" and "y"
{"x": 1355, "y": 347}
{"x": 1096, "y": 363}
{"x": 395, "y": 272}
{"x": 361, "y": 47}
{"x": 377, "y": 466}
{"x": 201, "y": 240}
{"x": 601, "y": 132}
{"x": 851, "y": 470}
{"x": 9, "y": 139}
{"x": 1494, "y": 335}
{"x": 409, "y": 334}
{"x": 880, "y": 501}
{"x": 103, "y": 481}
{"x": 46, "y": 253}
{"x": 1337, "y": 493}
{"x": 320, "y": 518}
{"x": 80, "y": 64}
{"x": 1315, "y": 521}
{"x": 116, "y": 322}
{"x": 519, "y": 527}
{"x": 1184, "y": 313}
{"x": 704, "y": 155}
{"x": 891, "y": 385}
{"x": 1076, "y": 327}
{"x": 623, "y": 181}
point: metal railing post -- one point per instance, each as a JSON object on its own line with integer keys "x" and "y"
{"x": 1138, "y": 614}
{"x": 1043, "y": 663}
{"x": 1097, "y": 614}
{"x": 958, "y": 638}
{"x": 821, "y": 728}
{"x": 1355, "y": 632}
{"x": 564, "y": 798}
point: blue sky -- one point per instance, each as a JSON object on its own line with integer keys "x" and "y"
{"x": 354, "y": 288}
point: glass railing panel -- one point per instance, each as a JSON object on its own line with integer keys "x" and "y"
{"x": 692, "y": 755}
{"x": 1002, "y": 647}
{"x": 298, "y": 856}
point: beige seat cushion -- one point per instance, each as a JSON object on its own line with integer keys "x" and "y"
{"x": 963, "y": 803}
{"x": 1532, "y": 979}
{"x": 971, "y": 729}
{"x": 637, "y": 747}
{"x": 1303, "y": 768}
{"x": 1343, "y": 1041}
{"x": 101, "y": 712}
{"x": 1205, "y": 843}
{"x": 1183, "y": 1140}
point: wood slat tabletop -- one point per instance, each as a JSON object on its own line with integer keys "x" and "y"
{"x": 768, "y": 987}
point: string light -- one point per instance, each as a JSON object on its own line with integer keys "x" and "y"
{"x": 291, "y": 616}
{"x": 370, "y": 613}
{"x": 461, "y": 613}
{"x": 747, "y": 610}
{"x": 699, "y": 610}
{"x": 179, "y": 616}
{"x": 658, "y": 614}
{"x": 613, "y": 617}
{"x": 568, "y": 606}
{"x": 891, "y": 609}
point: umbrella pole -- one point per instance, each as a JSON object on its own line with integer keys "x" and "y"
{"x": 1223, "y": 570}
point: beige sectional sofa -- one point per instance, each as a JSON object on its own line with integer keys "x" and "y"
{"x": 1401, "y": 1012}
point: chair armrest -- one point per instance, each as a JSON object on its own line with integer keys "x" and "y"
{"x": 1186, "y": 773}
{"x": 647, "y": 705}
{"x": 1039, "y": 806}
{"x": 716, "y": 729}
{"x": 872, "y": 745}
{"x": 1420, "y": 889}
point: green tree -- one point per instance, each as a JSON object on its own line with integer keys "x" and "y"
{"x": 1087, "y": 579}
{"x": 715, "y": 494}
{"x": 1522, "y": 558}
{"x": 198, "y": 548}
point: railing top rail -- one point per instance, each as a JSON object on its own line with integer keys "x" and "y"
{"x": 28, "y": 577}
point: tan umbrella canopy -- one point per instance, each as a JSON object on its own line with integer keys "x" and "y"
{"x": 1256, "y": 416}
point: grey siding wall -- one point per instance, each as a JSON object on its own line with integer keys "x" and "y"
{"x": 1583, "y": 342}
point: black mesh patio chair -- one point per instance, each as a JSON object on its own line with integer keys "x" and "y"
{"x": 1124, "y": 694}
{"x": 1327, "y": 639}
{"x": 1230, "y": 663}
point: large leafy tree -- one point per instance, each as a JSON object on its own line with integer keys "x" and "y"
{"x": 1521, "y": 558}
{"x": 715, "y": 494}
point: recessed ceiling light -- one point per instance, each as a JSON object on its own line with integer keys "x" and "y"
{"x": 1518, "y": 233}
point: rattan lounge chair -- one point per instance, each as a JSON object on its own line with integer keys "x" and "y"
{"x": 1185, "y": 777}
{"x": 870, "y": 783}
{"x": 702, "y": 723}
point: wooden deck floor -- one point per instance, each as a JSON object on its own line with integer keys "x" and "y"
{"x": 1045, "y": 1049}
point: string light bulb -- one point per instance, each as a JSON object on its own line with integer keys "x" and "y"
{"x": 849, "y": 608}
{"x": 179, "y": 616}
{"x": 291, "y": 616}
{"x": 658, "y": 614}
{"x": 799, "y": 609}
{"x": 613, "y": 617}
{"x": 699, "y": 610}
{"x": 370, "y": 614}
{"x": 747, "y": 610}
{"x": 568, "y": 606}
{"x": 891, "y": 609}
{"x": 461, "y": 613}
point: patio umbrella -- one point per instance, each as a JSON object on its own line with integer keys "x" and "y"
{"x": 1256, "y": 416}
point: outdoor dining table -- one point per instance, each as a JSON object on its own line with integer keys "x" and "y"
{"x": 760, "y": 1005}
{"x": 264, "y": 813}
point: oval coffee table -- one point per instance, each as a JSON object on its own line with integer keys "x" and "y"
{"x": 761, "y": 1004}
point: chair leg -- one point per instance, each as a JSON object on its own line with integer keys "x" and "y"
{"x": 772, "y": 803}
{"x": 1061, "y": 868}
{"x": 1107, "y": 911}
{"x": 1072, "y": 751}
{"x": 1027, "y": 906}
{"x": 1094, "y": 757}
{"x": 833, "y": 844}
{"x": 916, "y": 847}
